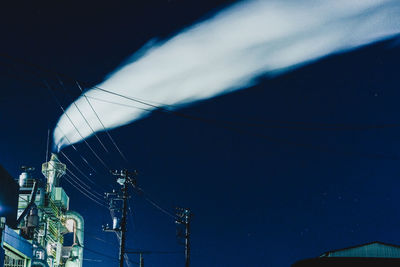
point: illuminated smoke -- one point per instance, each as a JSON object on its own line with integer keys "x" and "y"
{"x": 227, "y": 52}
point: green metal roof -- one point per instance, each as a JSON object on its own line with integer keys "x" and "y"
{"x": 370, "y": 250}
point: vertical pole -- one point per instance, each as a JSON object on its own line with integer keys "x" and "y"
{"x": 183, "y": 216}
{"x": 141, "y": 260}
{"x": 124, "y": 180}
{"x": 187, "y": 237}
{"x": 47, "y": 148}
{"x": 123, "y": 220}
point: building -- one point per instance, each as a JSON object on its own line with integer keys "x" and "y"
{"x": 372, "y": 254}
{"x": 35, "y": 235}
{"x": 15, "y": 250}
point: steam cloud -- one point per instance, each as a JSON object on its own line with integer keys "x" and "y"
{"x": 227, "y": 52}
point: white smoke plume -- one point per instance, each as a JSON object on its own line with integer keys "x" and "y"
{"x": 229, "y": 51}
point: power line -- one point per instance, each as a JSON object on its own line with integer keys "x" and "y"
{"x": 153, "y": 203}
{"x": 260, "y": 135}
{"x": 61, "y": 83}
{"x": 79, "y": 170}
{"x": 88, "y": 186}
{"x": 152, "y": 252}
{"x": 80, "y": 190}
{"x": 117, "y": 103}
{"x": 77, "y": 188}
{"x": 88, "y": 249}
{"x": 76, "y": 128}
{"x": 133, "y": 224}
{"x": 84, "y": 118}
{"x": 227, "y": 125}
{"x": 304, "y": 126}
{"x": 93, "y": 260}
{"x": 88, "y": 189}
{"x": 104, "y": 128}
{"x": 313, "y": 126}
{"x": 124, "y": 178}
{"x": 93, "y": 236}
{"x": 76, "y": 150}
{"x": 107, "y": 256}
{"x": 85, "y": 189}
{"x": 76, "y": 167}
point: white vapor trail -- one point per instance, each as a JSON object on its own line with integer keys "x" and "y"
{"x": 227, "y": 52}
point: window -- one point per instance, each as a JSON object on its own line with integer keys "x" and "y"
{"x": 13, "y": 260}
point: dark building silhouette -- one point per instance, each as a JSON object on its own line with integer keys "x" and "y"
{"x": 8, "y": 198}
{"x": 367, "y": 255}
{"x": 8, "y": 206}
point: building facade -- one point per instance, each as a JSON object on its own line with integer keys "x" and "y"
{"x": 43, "y": 219}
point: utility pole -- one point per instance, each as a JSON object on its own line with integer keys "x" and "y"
{"x": 141, "y": 260}
{"x": 124, "y": 178}
{"x": 184, "y": 216}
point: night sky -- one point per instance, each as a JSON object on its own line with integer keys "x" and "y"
{"x": 310, "y": 164}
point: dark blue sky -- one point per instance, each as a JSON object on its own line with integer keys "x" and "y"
{"x": 319, "y": 172}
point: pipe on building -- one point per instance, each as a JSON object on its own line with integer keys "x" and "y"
{"x": 31, "y": 202}
{"x": 36, "y": 263}
{"x": 78, "y": 231}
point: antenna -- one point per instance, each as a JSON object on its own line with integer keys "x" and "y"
{"x": 47, "y": 148}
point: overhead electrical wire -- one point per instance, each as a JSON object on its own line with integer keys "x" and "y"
{"x": 81, "y": 172}
{"x": 92, "y": 260}
{"x": 126, "y": 257}
{"x": 84, "y": 118}
{"x": 87, "y": 187}
{"x": 133, "y": 224}
{"x": 227, "y": 125}
{"x": 314, "y": 126}
{"x": 93, "y": 236}
{"x": 108, "y": 256}
{"x": 91, "y": 106}
{"x": 69, "y": 142}
{"x": 135, "y": 251}
{"x": 85, "y": 194}
{"x": 76, "y": 167}
{"x": 260, "y": 135}
{"x": 304, "y": 126}
{"x": 96, "y": 197}
{"x": 80, "y": 190}
{"x": 84, "y": 140}
{"x": 57, "y": 102}
{"x": 116, "y": 103}
{"x": 72, "y": 123}
{"x": 86, "y": 248}
{"x": 128, "y": 251}
{"x": 76, "y": 150}
{"x": 153, "y": 203}
{"x": 102, "y": 124}
{"x": 81, "y": 113}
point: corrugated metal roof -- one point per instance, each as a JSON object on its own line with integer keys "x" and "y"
{"x": 18, "y": 243}
{"x": 370, "y": 250}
